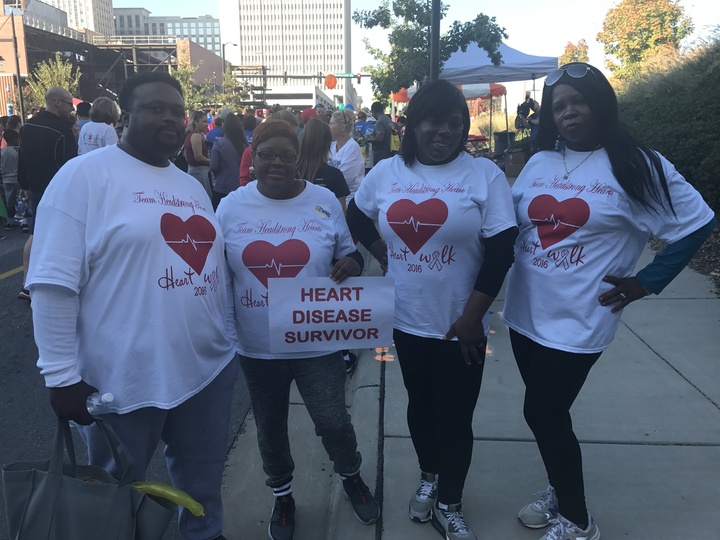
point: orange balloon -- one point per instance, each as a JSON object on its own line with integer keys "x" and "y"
{"x": 330, "y": 81}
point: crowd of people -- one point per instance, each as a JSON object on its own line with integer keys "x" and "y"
{"x": 147, "y": 282}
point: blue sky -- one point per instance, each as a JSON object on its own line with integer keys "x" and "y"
{"x": 534, "y": 27}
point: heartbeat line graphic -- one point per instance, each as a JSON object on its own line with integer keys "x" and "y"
{"x": 277, "y": 266}
{"x": 556, "y": 222}
{"x": 188, "y": 240}
{"x": 415, "y": 224}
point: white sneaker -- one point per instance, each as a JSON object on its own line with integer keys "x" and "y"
{"x": 423, "y": 500}
{"x": 562, "y": 529}
{"x": 538, "y": 514}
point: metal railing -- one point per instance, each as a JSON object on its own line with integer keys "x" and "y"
{"x": 41, "y": 24}
{"x": 134, "y": 40}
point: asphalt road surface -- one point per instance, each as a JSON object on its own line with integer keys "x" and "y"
{"x": 27, "y": 423}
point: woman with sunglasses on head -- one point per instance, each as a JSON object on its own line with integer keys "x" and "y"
{"x": 448, "y": 229}
{"x": 586, "y": 204}
{"x": 345, "y": 153}
{"x": 281, "y": 227}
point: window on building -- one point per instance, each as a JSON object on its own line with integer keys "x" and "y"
{"x": 121, "y": 19}
{"x": 154, "y": 29}
{"x": 137, "y": 21}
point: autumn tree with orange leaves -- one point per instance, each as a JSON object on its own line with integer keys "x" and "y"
{"x": 635, "y": 30}
{"x": 574, "y": 52}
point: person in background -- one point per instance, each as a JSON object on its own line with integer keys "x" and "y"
{"x": 249, "y": 123}
{"x": 82, "y": 111}
{"x": 401, "y": 123}
{"x": 586, "y": 204}
{"x": 9, "y": 174}
{"x": 380, "y": 137}
{"x": 300, "y": 121}
{"x": 345, "y": 153}
{"x": 104, "y": 300}
{"x": 441, "y": 300}
{"x": 281, "y": 200}
{"x": 47, "y": 142}
{"x": 214, "y": 134}
{"x": 14, "y": 123}
{"x": 196, "y": 150}
{"x": 225, "y": 157}
{"x": 100, "y": 130}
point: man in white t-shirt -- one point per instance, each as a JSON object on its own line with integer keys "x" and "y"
{"x": 130, "y": 297}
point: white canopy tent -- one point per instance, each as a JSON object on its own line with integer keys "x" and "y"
{"x": 474, "y": 67}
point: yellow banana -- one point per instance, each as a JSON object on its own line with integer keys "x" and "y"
{"x": 172, "y": 494}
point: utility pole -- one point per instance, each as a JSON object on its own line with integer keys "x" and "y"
{"x": 435, "y": 41}
{"x": 17, "y": 66}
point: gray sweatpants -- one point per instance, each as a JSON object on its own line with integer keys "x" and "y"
{"x": 321, "y": 383}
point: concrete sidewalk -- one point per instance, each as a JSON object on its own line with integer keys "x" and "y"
{"x": 648, "y": 420}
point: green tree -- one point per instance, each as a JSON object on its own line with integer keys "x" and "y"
{"x": 409, "y": 37}
{"x": 234, "y": 92}
{"x": 196, "y": 95}
{"x": 574, "y": 52}
{"x": 635, "y": 29}
{"x": 53, "y": 72}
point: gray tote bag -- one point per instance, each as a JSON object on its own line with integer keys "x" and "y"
{"x": 54, "y": 500}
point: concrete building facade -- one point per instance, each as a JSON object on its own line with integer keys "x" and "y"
{"x": 93, "y": 15}
{"x": 291, "y": 37}
{"x": 204, "y": 31}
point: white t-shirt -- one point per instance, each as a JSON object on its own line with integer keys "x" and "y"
{"x": 268, "y": 238}
{"x": 433, "y": 219}
{"x": 142, "y": 248}
{"x": 94, "y": 135}
{"x": 573, "y": 233}
{"x": 350, "y": 161}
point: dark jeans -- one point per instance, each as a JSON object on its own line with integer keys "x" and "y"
{"x": 553, "y": 380}
{"x": 321, "y": 383}
{"x": 442, "y": 394}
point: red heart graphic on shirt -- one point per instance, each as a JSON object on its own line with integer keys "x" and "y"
{"x": 416, "y": 223}
{"x": 557, "y": 220}
{"x": 191, "y": 239}
{"x": 266, "y": 261}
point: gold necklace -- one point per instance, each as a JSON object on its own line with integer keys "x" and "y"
{"x": 567, "y": 173}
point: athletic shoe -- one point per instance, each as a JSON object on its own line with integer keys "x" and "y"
{"x": 422, "y": 502}
{"x": 9, "y": 226}
{"x": 451, "y": 524}
{"x": 562, "y": 529}
{"x": 538, "y": 514}
{"x": 364, "y": 505}
{"x": 24, "y": 294}
{"x": 282, "y": 520}
{"x": 350, "y": 363}
{"x": 25, "y": 228}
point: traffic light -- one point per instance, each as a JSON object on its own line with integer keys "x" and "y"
{"x": 359, "y": 76}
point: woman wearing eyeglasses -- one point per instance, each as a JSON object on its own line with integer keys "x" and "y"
{"x": 345, "y": 153}
{"x": 586, "y": 204}
{"x": 282, "y": 227}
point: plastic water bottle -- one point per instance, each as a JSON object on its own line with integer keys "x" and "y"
{"x": 97, "y": 403}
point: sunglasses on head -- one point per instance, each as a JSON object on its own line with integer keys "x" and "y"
{"x": 576, "y": 71}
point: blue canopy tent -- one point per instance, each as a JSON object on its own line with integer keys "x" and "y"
{"x": 474, "y": 67}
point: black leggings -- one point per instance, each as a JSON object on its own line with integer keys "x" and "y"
{"x": 442, "y": 394}
{"x": 553, "y": 380}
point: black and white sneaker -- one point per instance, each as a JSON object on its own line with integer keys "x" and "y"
{"x": 350, "y": 362}
{"x": 282, "y": 520}
{"x": 451, "y": 524}
{"x": 364, "y": 504}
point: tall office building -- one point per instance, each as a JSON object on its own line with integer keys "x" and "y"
{"x": 293, "y": 37}
{"x": 205, "y": 30}
{"x": 94, "y": 15}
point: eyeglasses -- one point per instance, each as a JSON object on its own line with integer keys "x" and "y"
{"x": 269, "y": 155}
{"x": 576, "y": 71}
{"x": 65, "y": 102}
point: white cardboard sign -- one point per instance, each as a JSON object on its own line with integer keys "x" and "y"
{"x": 317, "y": 314}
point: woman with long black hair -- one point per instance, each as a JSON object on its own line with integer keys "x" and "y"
{"x": 586, "y": 204}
